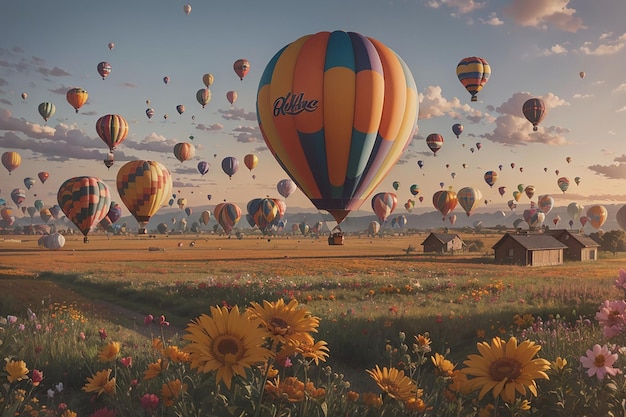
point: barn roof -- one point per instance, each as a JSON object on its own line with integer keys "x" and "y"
{"x": 584, "y": 240}
{"x": 533, "y": 241}
{"x": 443, "y": 237}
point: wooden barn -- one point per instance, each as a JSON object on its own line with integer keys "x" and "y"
{"x": 579, "y": 247}
{"x": 529, "y": 249}
{"x": 443, "y": 243}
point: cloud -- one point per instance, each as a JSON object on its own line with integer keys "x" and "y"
{"x": 620, "y": 88}
{"x": 555, "y": 50}
{"x": 211, "y": 127}
{"x": 246, "y": 137}
{"x": 249, "y": 129}
{"x": 433, "y": 104}
{"x": 544, "y": 13}
{"x": 512, "y": 128}
{"x": 127, "y": 84}
{"x": 608, "y": 47}
{"x": 492, "y": 20}
{"x": 459, "y": 6}
{"x": 238, "y": 114}
{"x": 54, "y": 72}
{"x": 582, "y": 96}
{"x": 154, "y": 143}
{"x": 613, "y": 171}
{"x": 620, "y": 110}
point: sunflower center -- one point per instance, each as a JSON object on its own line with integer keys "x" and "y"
{"x": 599, "y": 361}
{"x": 227, "y": 348}
{"x": 280, "y": 326}
{"x": 505, "y": 368}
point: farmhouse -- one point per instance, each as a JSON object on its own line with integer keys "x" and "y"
{"x": 443, "y": 243}
{"x": 579, "y": 247}
{"x": 529, "y": 249}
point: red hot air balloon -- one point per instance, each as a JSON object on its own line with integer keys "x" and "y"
{"x": 534, "y": 110}
{"x": 473, "y": 73}
{"x": 445, "y": 201}
{"x": 104, "y": 69}
{"x": 241, "y": 67}
{"x": 43, "y": 176}
{"x": 334, "y": 91}
{"x": 112, "y": 129}
{"x": 434, "y": 142}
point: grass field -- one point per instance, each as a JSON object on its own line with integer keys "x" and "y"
{"x": 364, "y": 292}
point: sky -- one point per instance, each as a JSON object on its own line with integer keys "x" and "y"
{"x": 536, "y": 48}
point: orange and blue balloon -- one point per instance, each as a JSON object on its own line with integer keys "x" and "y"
{"x": 473, "y": 72}
{"x": 85, "y": 201}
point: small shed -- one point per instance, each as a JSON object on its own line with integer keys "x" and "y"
{"x": 529, "y": 249}
{"x": 579, "y": 247}
{"x": 443, "y": 243}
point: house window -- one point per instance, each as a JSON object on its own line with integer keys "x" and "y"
{"x": 511, "y": 252}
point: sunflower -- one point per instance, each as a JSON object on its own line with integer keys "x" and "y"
{"x": 100, "y": 383}
{"x": 394, "y": 383}
{"x": 290, "y": 390}
{"x": 443, "y": 366}
{"x": 505, "y": 368}
{"x": 16, "y": 370}
{"x": 228, "y": 342}
{"x": 109, "y": 352}
{"x": 317, "y": 351}
{"x": 155, "y": 368}
{"x": 286, "y": 322}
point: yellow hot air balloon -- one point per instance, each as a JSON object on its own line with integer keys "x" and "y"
{"x": 11, "y": 160}
{"x": 77, "y": 97}
{"x": 144, "y": 187}
{"x": 251, "y": 161}
{"x": 208, "y": 79}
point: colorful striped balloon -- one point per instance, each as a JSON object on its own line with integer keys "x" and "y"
{"x": 85, "y": 201}
{"x": 469, "y": 198}
{"x": 445, "y": 201}
{"x": 227, "y": 215}
{"x": 112, "y": 129}
{"x": 473, "y": 72}
{"x": 491, "y": 177}
{"x": 144, "y": 187}
{"x": 337, "y": 110}
{"x": 383, "y": 204}
{"x": 11, "y": 160}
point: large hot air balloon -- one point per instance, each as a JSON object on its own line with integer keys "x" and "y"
{"x": 563, "y": 183}
{"x": 473, "y": 73}
{"x": 250, "y": 161}
{"x": 144, "y": 186}
{"x": 534, "y": 110}
{"x": 490, "y": 178}
{"x": 208, "y": 79}
{"x": 383, "y": 204}
{"x": 203, "y": 167}
{"x": 11, "y": 161}
{"x": 104, "y": 69}
{"x": 203, "y": 96}
{"x": 445, "y": 201}
{"x": 231, "y": 96}
{"x": 241, "y": 67}
{"x": 457, "y": 129}
{"x": 263, "y": 211}
{"x": 46, "y": 110}
{"x": 230, "y": 165}
{"x": 184, "y": 151}
{"x": 85, "y": 201}
{"x": 112, "y": 129}
{"x": 337, "y": 110}
{"x": 286, "y": 187}
{"x": 469, "y": 198}
{"x": 597, "y": 215}
{"x": 77, "y": 97}
{"x": 434, "y": 142}
{"x": 227, "y": 215}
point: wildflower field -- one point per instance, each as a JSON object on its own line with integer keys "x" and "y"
{"x": 292, "y": 327}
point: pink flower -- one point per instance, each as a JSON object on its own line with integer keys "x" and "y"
{"x": 620, "y": 283}
{"x": 127, "y": 361}
{"x": 599, "y": 362}
{"x": 612, "y": 317}
{"x": 103, "y": 334}
{"x": 163, "y": 322}
{"x": 150, "y": 402}
{"x": 148, "y": 319}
